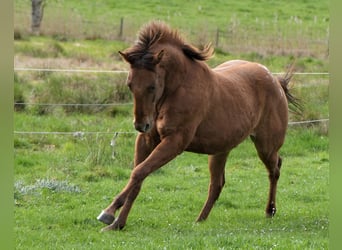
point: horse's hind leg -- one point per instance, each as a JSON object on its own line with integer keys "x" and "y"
{"x": 271, "y": 159}
{"x": 273, "y": 165}
{"x": 217, "y": 180}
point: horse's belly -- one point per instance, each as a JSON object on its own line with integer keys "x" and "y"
{"x": 220, "y": 142}
{"x": 204, "y": 149}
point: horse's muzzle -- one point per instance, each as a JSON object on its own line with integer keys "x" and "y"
{"x": 142, "y": 127}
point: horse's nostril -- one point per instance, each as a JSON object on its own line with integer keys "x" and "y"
{"x": 147, "y": 127}
{"x": 142, "y": 127}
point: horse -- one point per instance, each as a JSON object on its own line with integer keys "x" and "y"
{"x": 181, "y": 104}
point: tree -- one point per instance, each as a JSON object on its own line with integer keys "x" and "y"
{"x": 37, "y": 15}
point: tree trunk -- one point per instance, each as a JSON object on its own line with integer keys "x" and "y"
{"x": 37, "y": 15}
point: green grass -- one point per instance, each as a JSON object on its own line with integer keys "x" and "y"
{"x": 103, "y": 54}
{"x": 59, "y": 190}
{"x": 187, "y": 14}
{"x": 58, "y": 194}
{"x": 272, "y": 27}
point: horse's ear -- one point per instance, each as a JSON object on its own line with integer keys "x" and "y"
{"x": 124, "y": 56}
{"x": 157, "y": 57}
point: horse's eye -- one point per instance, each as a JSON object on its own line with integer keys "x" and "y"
{"x": 151, "y": 89}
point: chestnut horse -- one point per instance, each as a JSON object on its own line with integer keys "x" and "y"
{"x": 180, "y": 104}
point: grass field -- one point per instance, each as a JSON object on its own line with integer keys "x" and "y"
{"x": 292, "y": 27}
{"x": 63, "y": 180}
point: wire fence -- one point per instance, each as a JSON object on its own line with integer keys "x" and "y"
{"x": 74, "y": 104}
{"x": 296, "y": 35}
{"x": 125, "y": 71}
{"x": 96, "y": 71}
{"x": 83, "y": 133}
{"x": 71, "y": 70}
{"x": 75, "y": 134}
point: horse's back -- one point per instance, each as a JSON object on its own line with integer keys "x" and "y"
{"x": 229, "y": 65}
{"x": 252, "y": 78}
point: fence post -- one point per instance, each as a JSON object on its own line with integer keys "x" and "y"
{"x": 37, "y": 15}
{"x": 121, "y": 27}
{"x": 217, "y": 37}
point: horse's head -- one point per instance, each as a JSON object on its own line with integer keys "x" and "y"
{"x": 146, "y": 82}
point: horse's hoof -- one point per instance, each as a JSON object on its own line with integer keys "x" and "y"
{"x": 271, "y": 212}
{"x": 105, "y": 218}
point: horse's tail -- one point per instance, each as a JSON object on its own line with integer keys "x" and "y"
{"x": 294, "y": 102}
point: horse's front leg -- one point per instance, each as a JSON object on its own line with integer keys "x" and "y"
{"x": 166, "y": 150}
{"x": 144, "y": 144}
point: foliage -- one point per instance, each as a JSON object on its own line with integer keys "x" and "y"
{"x": 86, "y": 93}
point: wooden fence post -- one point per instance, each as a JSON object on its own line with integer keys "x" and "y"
{"x": 217, "y": 37}
{"x": 121, "y": 27}
{"x": 37, "y": 15}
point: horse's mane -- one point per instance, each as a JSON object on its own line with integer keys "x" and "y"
{"x": 157, "y": 32}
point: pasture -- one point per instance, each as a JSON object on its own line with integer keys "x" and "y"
{"x": 62, "y": 180}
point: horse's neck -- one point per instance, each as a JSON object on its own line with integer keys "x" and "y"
{"x": 188, "y": 71}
